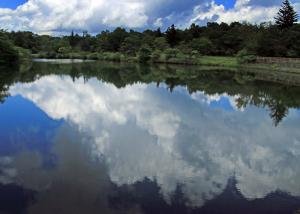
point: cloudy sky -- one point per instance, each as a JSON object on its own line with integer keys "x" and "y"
{"x": 44, "y": 16}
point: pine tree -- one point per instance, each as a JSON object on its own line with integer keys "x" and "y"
{"x": 72, "y": 41}
{"x": 158, "y": 33}
{"x": 287, "y": 16}
{"x": 171, "y": 36}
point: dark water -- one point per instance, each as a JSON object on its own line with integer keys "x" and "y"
{"x": 105, "y": 138}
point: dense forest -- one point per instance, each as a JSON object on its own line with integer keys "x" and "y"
{"x": 279, "y": 39}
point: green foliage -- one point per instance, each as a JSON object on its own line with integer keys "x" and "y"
{"x": 195, "y": 54}
{"x": 218, "y": 61}
{"x": 110, "y": 56}
{"x": 160, "y": 43}
{"x": 155, "y": 56}
{"x": 186, "y": 45}
{"x": 244, "y": 57}
{"x": 116, "y": 38}
{"x": 64, "y": 50}
{"x": 203, "y": 45}
{"x": 287, "y": 16}
{"x": 171, "y": 53}
{"x": 144, "y": 54}
{"x": 131, "y": 45}
{"x": 9, "y": 55}
{"x": 172, "y": 36}
{"x": 73, "y": 40}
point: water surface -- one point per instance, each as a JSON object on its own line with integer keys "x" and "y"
{"x": 113, "y": 138}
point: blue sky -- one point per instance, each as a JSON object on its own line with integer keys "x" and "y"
{"x": 49, "y": 16}
{"x": 11, "y": 3}
{"x": 226, "y": 3}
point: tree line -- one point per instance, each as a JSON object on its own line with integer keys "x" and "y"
{"x": 279, "y": 39}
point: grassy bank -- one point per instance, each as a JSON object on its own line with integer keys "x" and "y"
{"x": 165, "y": 58}
{"x": 268, "y": 65}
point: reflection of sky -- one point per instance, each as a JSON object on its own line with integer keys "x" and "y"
{"x": 24, "y": 125}
{"x": 144, "y": 131}
{"x": 223, "y": 103}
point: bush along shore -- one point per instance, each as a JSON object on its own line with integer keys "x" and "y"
{"x": 170, "y": 56}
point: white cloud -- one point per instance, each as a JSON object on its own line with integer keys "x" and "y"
{"x": 44, "y": 16}
{"x": 242, "y": 11}
{"x": 144, "y": 132}
{"x": 158, "y": 22}
{"x": 58, "y": 15}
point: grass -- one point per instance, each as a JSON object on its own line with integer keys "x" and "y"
{"x": 178, "y": 58}
{"x": 162, "y": 58}
{"x": 218, "y": 61}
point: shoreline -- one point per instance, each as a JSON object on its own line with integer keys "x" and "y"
{"x": 255, "y": 71}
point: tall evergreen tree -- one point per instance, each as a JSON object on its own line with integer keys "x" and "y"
{"x": 287, "y": 16}
{"x": 158, "y": 33}
{"x": 171, "y": 36}
{"x": 72, "y": 40}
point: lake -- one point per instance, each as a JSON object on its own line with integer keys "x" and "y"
{"x": 123, "y": 138}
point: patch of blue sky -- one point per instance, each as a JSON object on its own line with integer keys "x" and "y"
{"x": 25, "y": 126}
{"x": 227, "y": 3}
{"x": 12, "y": 4}
{"x": 223, "y": 103}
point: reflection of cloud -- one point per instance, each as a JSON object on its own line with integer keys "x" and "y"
{"x": 77, "y": 184}
{"x": 201, "y": 97}
{"x": 145, "y": 132}
{"x": 7, "y": 173}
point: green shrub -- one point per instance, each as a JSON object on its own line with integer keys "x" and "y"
{"x": 171, "y": 53}
{"x": 64, "y": 50}
{"x": 195, "y": 54}
{"x": 51, "y": 55}
{"x": 244, "y": 57}
{"x": 93, "y": 56}
{"x": 8, "y": 53}
{"x": 144, "y": 54}
{"x": 203, "y": 45}
{"x": 155, "y": 56}
{"x": 292, "y": 53}
{"x": 161, "y": 43}
{"x": 110, "y": 56}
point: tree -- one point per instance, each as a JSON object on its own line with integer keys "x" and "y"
{"x": 195, "y": 30}
{"x": 171, "y": 35}
{"x": 203, "y": 45}
{"x": 144, "y": 54}
{"x": 160, "y": 43}
{"x": 158, "y": 33}
{"x": 131, "y": 45}
{"x": 73, "y": 40}
{"x": 8, "y": 53}
{"x": 116, "y": 38}
{"x": 287, "y": 16}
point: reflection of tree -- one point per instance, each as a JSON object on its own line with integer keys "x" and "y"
{"x": 277, "y": 97}
{"x": 7, "y": 77}
{"x": 278, "y": 111}
{"x": 147, "y": 195}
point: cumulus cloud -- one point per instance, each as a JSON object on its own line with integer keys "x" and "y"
{"x": 243, "y": 10}
{"x": 145, "y": 132}
{"x": 158, "y": 22}
{"x": 45, "y": 16}
{"x": 57, "y": 15}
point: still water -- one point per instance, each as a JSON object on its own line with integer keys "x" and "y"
{"x": 111, "y": 138}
